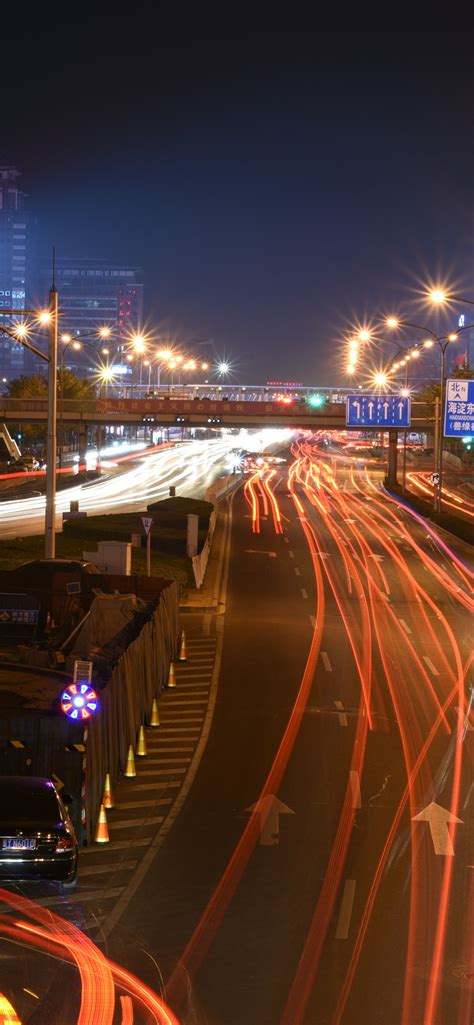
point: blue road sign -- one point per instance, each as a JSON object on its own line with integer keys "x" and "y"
{"x": 377, "y": 411}
{"x": 459, "y": 408}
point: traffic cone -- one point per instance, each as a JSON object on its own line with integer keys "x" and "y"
{"x": 130, "y": 766}
{"x": 182, "y": 650}
{"x": 171, "y": 677}
{"x": 155, "y": 719}
{"x": 141, "y": 746}
{"x": 102, "y": 830}
{"x": 107, "y": 798}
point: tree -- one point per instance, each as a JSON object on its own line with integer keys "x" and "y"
{"x": 35, "y": 386}
{"x": 432, "y": 391}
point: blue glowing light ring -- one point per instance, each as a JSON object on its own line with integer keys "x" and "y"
{"x": 79, "y": 701}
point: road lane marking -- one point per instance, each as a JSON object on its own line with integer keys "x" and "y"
{"x": 152, "y": 820}
{"x": 118, "y": 845}
{"x": 297, "y": 572}
{"x": 405, "y": 626}
{"x": 304, "y": 593}
{"x": 312, "y": 620}
{"x": 355, "y": 787}
{"x": 342, "y": 715}
{"x": 163, "y": 772}
{"x": 430, "y": 665}
{"x": 345, "y": 913}
{"x": 78, "y": 898}
{"x": 326, "y": 663}
{"x": 291, "y": 554}
{"x": 287, "y": 540}
{"x": 119, "y": 866}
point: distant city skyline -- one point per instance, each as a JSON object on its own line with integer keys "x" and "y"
{"x": 275, "y": 186}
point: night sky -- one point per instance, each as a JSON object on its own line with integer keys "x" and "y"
{"x": 272, "y": 184}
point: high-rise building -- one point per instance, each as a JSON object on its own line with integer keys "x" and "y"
{"x": 18, "y": 264}
{"x": 94, "y": 294}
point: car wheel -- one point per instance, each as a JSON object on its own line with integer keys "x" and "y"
{"x": 70, "y": 885}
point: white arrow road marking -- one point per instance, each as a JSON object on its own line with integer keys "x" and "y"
{"x": 437, "y": 819}
{"x": 430, "y": 665}
{"x": 342, "y": 715}
{"x": 326, "y": 663}
{"x": 355, "y": 787}
{"x": 345, "y": 913}
{"x": 270, "y": 808}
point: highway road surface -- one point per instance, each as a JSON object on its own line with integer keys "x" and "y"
{"x": 190, "y": 466}
{"x": 320, "y": 869}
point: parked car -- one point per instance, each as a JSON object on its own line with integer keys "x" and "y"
{"x": 24, "y": 463}
{"x": 58, "y": 566}
{"x": 37, "y": 838}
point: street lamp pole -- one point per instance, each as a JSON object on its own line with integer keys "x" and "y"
{"x": 50, "y": 514}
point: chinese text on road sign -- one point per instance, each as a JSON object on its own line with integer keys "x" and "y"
{"x": 377, "y": 411}
{"x": 459, "y": 408}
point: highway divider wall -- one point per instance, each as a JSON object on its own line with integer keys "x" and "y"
{"x": 38, "y": 739}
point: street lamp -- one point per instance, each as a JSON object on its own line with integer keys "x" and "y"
{"x": 45, "y": 318}
{"x": 443, "y": 341}
{"x": 77, "y": 343}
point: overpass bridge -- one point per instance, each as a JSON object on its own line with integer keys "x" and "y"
{"x": 197, "y": 413}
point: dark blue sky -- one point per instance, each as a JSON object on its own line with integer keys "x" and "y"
{"x": 270, "y": 184}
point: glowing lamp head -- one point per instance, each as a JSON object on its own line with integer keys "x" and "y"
{"x": 415, "y": 354}
{"x": 438, "y": 296}
{"x": 380, "y": 379}
{"x": 104, "y": 332}
{"x": 428, "y": 344}
{"x": 452, "y": 337}
{"x": 405, "y": 393}
{"x": 66, "y": 337}
{"x": 364, "y": 335}
{"x": 392, "y": 322}
{"x": 350, "y": 369}
{"x": 44, "y": 317}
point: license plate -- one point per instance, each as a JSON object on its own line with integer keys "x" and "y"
{"x": 18, "y": 844}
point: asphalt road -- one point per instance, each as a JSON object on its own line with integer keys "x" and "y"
{"x": 342, "y": 658}
{"x": 333, "y": 905}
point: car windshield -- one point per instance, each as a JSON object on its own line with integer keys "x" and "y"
{"x": 27, "y": 804}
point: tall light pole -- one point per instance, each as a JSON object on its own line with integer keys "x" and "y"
{"x": 49, "y": 317}
{"x": 50, "y": 515}
{"x": 442, "y": 343}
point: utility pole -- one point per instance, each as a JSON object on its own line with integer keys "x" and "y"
{"x": 50, "y": 517}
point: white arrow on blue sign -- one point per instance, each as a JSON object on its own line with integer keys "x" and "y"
{"x": 377, "y": 411}
{"x": 459, "y": 408}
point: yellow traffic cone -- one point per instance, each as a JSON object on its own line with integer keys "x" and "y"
{"x": 141, "y": 746}
{"x": 182, "y": 650}
{"x": 130, "y": 766}
{"x": 171, "y": 677}
{"x": 107, "y": 798}
{"x": 155, "y": 719}
{"x": 102, "y": 830}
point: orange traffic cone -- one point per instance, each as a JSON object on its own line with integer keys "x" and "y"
{"x": 182, "y": 650}
{"x": 102, "y": 830}
{"x": 107, "y": 798}
{"x": 141, "y": 746}
{"x": 155, "y": 719}
{"x": 171, "y": 677}
{"x": 130, "y": 766}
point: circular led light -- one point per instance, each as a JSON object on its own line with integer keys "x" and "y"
{"x": 79, "y": 701}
